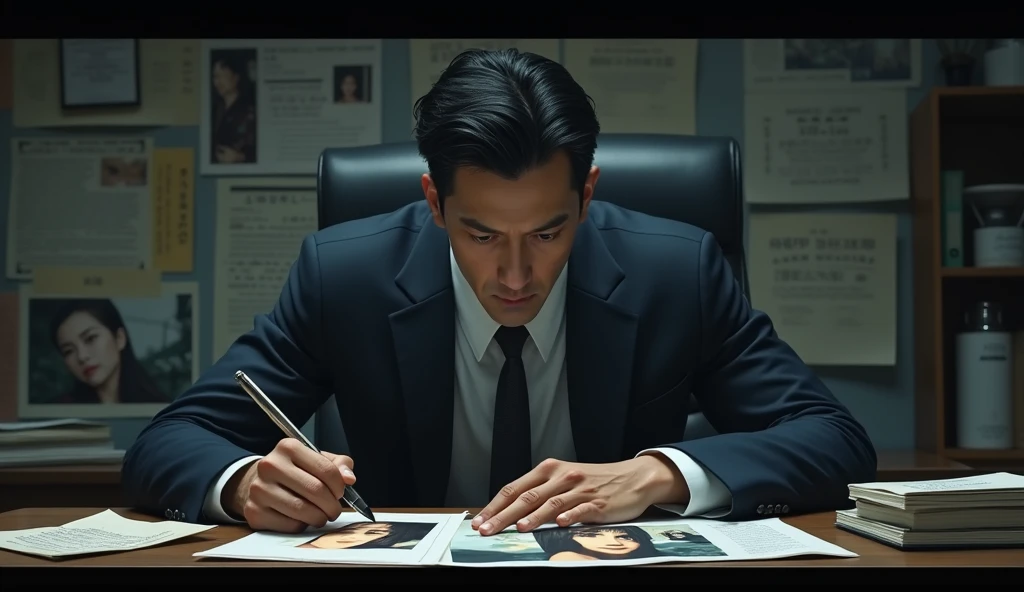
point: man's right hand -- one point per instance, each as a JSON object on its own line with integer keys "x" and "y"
{"x": 290, "y": 489}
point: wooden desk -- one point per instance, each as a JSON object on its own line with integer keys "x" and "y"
{"x": 84, "y": 486}
{"x": 179, "y": 554}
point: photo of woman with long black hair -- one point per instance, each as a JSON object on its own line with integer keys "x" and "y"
{"x": 103, "y": 357}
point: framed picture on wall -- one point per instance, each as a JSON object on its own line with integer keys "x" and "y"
{"x": 97, "y": 73}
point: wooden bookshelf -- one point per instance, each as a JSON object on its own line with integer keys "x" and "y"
{"x": 979, "y": 130}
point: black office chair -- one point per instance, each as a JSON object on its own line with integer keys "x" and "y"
{"x": 693, "y": 179}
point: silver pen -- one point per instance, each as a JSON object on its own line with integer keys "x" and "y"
{"x": 350, "y": 496}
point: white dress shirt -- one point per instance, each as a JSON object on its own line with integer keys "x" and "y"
{"x": 478, "y": 362}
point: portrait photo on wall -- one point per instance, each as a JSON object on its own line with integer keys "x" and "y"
{"x": 233, "y": 112}
{"x": 91, "y": 357}
{"x": 117, "y": 171}
{"x": 628, "y": 544}
{"x": 352, "y": 84}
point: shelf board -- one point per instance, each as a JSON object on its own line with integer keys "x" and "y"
{"x": 982, "y": 272}
{"x": 984, "y": 455}
{"x": 977, "y": 91}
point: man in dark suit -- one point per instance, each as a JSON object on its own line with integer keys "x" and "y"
{"x": 505, "y": 320}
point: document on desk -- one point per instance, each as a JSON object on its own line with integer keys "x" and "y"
{"x": 637, "y": 543}
{"x": 395, "y": 539}
{"x": 106, "y": 532}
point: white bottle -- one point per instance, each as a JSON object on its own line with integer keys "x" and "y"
{"x": 984, "y": 381}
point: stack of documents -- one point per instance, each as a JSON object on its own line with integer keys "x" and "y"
{"x": 56, "y": 442}
{"x": 967, "y": 512}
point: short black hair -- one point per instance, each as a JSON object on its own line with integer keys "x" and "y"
{"x": 505, "y": 112}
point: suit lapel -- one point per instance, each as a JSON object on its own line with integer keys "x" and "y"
{"x": 424, "y": 341}
{"x": 599, "y": 350}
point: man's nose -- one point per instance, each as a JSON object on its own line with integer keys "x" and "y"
{"x": 516, "y": 271}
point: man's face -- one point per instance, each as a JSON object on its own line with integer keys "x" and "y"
{"x": 512, "y": 238}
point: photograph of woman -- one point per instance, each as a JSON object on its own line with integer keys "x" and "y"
{"x": 233, "y": 106}
{"x": 107, "y": 358}
{"x": 351, "y": 84}
{"x": 632, "y": 543}
{"x": 372, "y": 535}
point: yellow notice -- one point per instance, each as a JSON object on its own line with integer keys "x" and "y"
{"x": 96, "y": 282}
{"x": 173, "y": 209}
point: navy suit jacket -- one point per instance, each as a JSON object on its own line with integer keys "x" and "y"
{"x": 653, "y": 314}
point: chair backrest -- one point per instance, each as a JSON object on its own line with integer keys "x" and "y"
{"x": 693, "y": 179}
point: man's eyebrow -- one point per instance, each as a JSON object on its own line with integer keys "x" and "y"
{"x": 476, "y": 225}
{"x": 557, "y": 220}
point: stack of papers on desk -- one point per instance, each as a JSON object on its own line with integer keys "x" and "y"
{"x": 966, "y": 512}
{"x": 56, "y": 442}
{"x": 448, "y": 539}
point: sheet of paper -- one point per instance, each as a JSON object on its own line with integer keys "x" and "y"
{"x": 395, "y": 538}
{"x": 167, "y": 69}
{"x": 174, "y": 177}
{"x": 637, "y": 543}
{"x": 972, "y": 484}
{"x": 79, "y": 202}
{"x": 272, "y": 106}
{"x": 828, "y": 282}
{"x": 97, "y": 282}
{"x": 142, "y": 351}
{"x": 6, "y": 73}
{"x": 260, "y": 226}
{"x": 105, "y": 532}
{"x": 826, "y": 147}
{"x": 638, "y": 85}
{"x": 9, "y": 356}
{"x": 429, "y": 57}
{"x": 842, "y": 64}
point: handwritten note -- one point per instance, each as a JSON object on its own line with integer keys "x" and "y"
{"x": 173, "y": 209}
{"x": 105, "y": 532}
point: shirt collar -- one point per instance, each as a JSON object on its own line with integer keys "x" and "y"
{"x": 480, "y": 327}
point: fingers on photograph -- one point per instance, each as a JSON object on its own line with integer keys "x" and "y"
{"x": 372, "y": 535}
{"x": 583, "y": 543}
{"x": 107, "y": 357}
{"x": 233, "y": 76}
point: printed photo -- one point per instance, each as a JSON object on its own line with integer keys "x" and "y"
{"x": 646, "y": 543}
{"x": 106, "y": 357}
{"x": 352, "y": 84}
{"x": 233, "y": 75}
{"x": 867, "y": 60}
{"x": 123, "y": 172}
{"x": 372, "y": 535}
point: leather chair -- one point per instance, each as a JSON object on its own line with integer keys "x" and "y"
{"x": 693, "y": 179}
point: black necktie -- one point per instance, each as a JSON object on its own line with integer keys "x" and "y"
{"x": 510, "y": 444}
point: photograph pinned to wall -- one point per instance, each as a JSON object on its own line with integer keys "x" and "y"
{"x": 831, "y": 64}
{"x": 635, "y": 543}
{"x": 106, "y": 356}
{"x": 272, "y": 106}
{"x": 396, "y": 538}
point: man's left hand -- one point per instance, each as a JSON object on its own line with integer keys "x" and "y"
{"x": 568, "y": 493}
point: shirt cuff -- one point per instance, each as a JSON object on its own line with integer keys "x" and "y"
{"x": 709, "y": 497}
{"x": 212, "y": 508}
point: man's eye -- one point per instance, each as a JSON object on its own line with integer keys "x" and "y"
{"x": 481, "y": 239}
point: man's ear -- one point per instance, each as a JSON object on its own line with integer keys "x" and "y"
{"x": 588, "y": 191}
{"x": 430, "y": 192}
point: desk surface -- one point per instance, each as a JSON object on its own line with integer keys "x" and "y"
{"x": 179, "y": 553}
